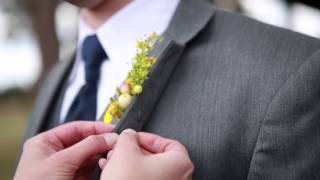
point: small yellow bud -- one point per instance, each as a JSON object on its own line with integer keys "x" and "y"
{"x": 154, "y": 35}
{"x": 107, "y": 118}
{"x": 153, "y": 59}
{"x": 137, "y": 89}
{"x": 140, "y": 44}
{"x": 114, "y": 110}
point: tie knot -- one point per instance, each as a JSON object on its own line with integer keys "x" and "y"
{"x": 92, "y": 51}
{"x": 93, "y": 55}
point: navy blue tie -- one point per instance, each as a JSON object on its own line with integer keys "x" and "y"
{"x": 84, "y": 107}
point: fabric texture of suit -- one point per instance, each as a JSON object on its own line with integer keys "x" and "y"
{"x": 243, "y": 96}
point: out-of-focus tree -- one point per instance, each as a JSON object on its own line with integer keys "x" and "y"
{"x": 39, "y": 16}
{"x": 18, "y": 21}
{"x": 42, "y": 15}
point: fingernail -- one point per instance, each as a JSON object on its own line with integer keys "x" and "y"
{"x": 111, "y": 139}
{"x": 129, "y": 131}
{"x": 102, "y": 163}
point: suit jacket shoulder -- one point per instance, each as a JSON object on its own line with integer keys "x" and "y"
{"x": 220, "y": 93}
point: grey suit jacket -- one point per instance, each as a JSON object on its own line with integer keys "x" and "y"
{"x": 243, "y": 96}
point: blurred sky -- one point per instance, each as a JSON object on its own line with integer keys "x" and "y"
{"x": 20, "y": 63}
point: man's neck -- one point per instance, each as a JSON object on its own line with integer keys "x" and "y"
{"x": 96, "y": 16}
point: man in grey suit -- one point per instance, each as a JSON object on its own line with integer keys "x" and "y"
{"x": 243, "y": 96}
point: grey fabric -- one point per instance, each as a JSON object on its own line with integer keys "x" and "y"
{"x": 243, "y": 97}
{"x": 53, "y": 118}
{"x": 47, "y": 98}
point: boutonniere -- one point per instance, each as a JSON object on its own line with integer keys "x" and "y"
{"x": 133, "y": 85}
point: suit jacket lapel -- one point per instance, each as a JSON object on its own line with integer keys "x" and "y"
{"x": 47, "y": 96}
{"x": 189, "y": 19}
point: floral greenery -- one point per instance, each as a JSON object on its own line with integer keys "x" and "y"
{"x": 133, "y": 85}
{"x": 143, "y": 63}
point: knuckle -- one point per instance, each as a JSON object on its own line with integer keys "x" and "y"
{"x": 64, "y": 159}
{"x": 72, "y": 123}
{"x": 95, "y": 140}
{"x": 190, "y": 166}
{"x": 186, "y": 164}
{"x": 176, "y": 142}
{"x": 28, "y": 144}
{"x": 189, "y": 169}
{"x": 92, "y": 138}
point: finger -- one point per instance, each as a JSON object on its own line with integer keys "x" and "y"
{"x": 71, "y": 133}
{"x": 145, "y": 152}
{"x": 157, "y": 144}
{"x": 110, "y": 153}
{"x": 102, "y": 163}
{"x": 127, "y": 143}
{"x": 87, "y": 148}
{"x": 88, "y": 167}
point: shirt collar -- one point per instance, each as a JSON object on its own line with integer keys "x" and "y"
{"x": 135, "y": 21}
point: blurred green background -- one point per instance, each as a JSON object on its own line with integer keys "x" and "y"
{"x": 14, "y": 111}
{"x": 35, "y": 34}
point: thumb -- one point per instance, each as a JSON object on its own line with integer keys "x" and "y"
{"x": 127, "y": 143}
{"x": 91, "y": 146}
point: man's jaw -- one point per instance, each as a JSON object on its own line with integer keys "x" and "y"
{"x": 86, "y": 3}
{"x": 100, "y": 11}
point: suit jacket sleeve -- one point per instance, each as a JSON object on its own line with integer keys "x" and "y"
{"x": 288, "y": 144}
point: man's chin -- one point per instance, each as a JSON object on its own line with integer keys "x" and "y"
{"x": 85, "y": 3}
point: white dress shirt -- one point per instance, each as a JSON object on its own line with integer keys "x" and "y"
{"x": 118, "y": 36}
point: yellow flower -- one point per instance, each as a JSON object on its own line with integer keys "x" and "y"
{"x": 140, "y": 44}
{"x": 152, "y": 59}
{"x": 154, "y": 35}
{"x": 114, "y": 110}
{"x": 130, "y": 82}
{"x": 137, "y": 89}
{"x": 107, "y": 118}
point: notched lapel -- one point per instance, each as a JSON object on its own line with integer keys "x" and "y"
{"x": 142, "y": 107}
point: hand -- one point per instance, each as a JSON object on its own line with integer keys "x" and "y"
{"x": 144, "y": 156}
{"x": 67, "y": 152}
